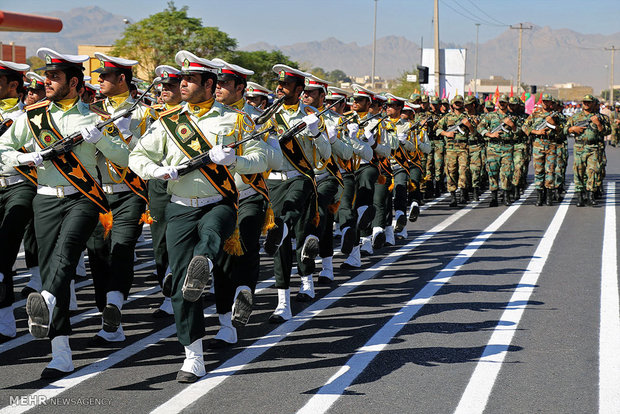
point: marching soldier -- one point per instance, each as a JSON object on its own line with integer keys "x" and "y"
{"x": 588, "y": 128}
{"x": 438, "y": 147}
{"x": 202, "y": 212}
{"x": 330, "y": 183}
{"x": 257, "y": 95}
{"x": 293, "y": 187}
{"x": 499, "y": 128}
{"x": 456, "y": 127}
{"x": 35, "y": 89}
{"x": 112, "y": 257}
{"x": 562, "y": 152}
{"x": 158, "y": 195}
{"x": 475, "y": 147}
{"x": 16, "y": 194}
{"x": 520, "y": 153}
{"x": 236, "y": 276}
{"x": 542, "y": 125}
{"x": 69, "y": 199}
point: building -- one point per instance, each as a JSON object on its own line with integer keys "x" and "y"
{"x": 488, "y": 86}
{"x": 93, "y": 62}
{"x": 12, "y": 53}
{"x": 567, "y": 91}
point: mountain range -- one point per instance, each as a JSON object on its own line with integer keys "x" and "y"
{"x": 549, "y": 55}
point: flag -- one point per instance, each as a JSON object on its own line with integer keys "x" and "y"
{"x": 468, "y": 91}
{"x": 511, "y": 91}
{"x": 496, "y": 96}
{"x": 523, "y": 97}
{"x": 540, "y": 99}
{"x": 529, "y": 104}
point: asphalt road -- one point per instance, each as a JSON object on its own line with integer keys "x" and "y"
{"x": 496, "y": 310}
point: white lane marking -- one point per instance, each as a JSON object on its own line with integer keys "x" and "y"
{"x": 24, "y": 339}
{"x": 329, "y": 393}
{"x": 91, "y": 370}
{"x": 478, "y": 390}
{"x": 609, "y": 345}
{"x": 193, "y": 392}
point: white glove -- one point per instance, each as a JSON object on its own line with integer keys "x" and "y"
{"x": 354, "y": 129}
{"x": 91, "y": 134}
{"x": 370, "y": 137}
{"x": 222, "y": 155}
{"x": 402, "y": 138}
{"x": 31, "y": 158}
{"x": 123, "y": 124}
{"x": 166, "y": 173}
{"x": 332, "y": 134}
{"x": 312, "y": 123}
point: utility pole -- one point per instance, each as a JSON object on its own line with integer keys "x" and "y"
{"x": 611, "y": 78}
{"x": 476, "y": 65}
{"x": 436, "y": 26}
{"x": 374, "y": 48}
{"x": 520, "y": 28}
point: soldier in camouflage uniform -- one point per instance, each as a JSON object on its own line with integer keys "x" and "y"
{"x": 499, "y": 128}
{"x": 543, "y": 126}
{"x": 456, "y": 127}
{"x": 475, "y": 147}
{"x": 598, "y": 192}
{"x": 588, "y": 128}
{"x": 438, "y": 147}
{"x": 562, "y": 153}
{"x": 520, "y": 148}
{"x": 615, "y": 125}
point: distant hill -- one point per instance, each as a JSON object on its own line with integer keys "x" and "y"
{"x": 549, "y": 56}
{"x": 83, "y": 25}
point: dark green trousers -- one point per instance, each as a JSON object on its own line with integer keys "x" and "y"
{"x": 382, "y": 200}
{"x": 235, "y": 271}
{"x": 401, "y": 184}
{"x": 62, "y": 225}
{"x": 291, "y": 201}
{"x": 31, "y": 249}
{"x": 193, "y": 232}
{"x": 365, "y": 183}
{"x": 111, "y": 259}
{"x": 15, "y": 214}
{"x": 158, "y": 200}
{"x": 415, "y": 175}
{"x": 346, "y": 214}
{"x": 329, "y": 192}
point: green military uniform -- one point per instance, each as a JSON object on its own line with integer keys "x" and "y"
{"x": 520, "y": 155}
{"x": 475, "y": 148}
{"x": 437, "y": 154}
{"x": 586, "y": 151}
{"x": 562, "y": 153}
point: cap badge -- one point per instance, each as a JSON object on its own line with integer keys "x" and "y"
{"x": 48, "y": 60}
{"x": 33, "y": 84}
{"x": 186, "y": 64}
{"x": 282, "y": 75}
{"x": 165, "y": 74}
{"x": 101, "y": 64}
{"x": 250, "y": 89}
{"x": 307, "y": 81}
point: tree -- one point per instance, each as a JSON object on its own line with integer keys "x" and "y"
{"x": 404, "y": 88}
{"x": 261, "y": 63}
{"x": 605, "y": 94}
{"x": 338, "y": 76}
{"x": 155, "y": 40}
{"x": 35, "y": 62}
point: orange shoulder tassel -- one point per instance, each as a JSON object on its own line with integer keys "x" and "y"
{"x": 391, "y": 187}
{"x": 412, "y": 186}
{"x": 232, "y": 246}
{"x": 146, "y": 218}
{"x": 333, "y": 208}
{"x": 317, "y": 219}
{"x": 269, "y": 220}
{"x": 106, "y": 221}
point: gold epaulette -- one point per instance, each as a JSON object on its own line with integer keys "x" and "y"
{"x": 37, "y": 105}
{"x": 170, "y": 111}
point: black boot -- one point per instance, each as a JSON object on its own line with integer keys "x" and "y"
{"x": 591, "y": 198}
{"x": 437, "y": 189}
{"x": 476, "y": 194}
{"x": 580, "y": 202}
{"x": 549, "y": 198}
{"x": 453, "y": 203}
{"x": 539, "y": 197}
{"x": 493, "y": 202}
{"x": 506, "y": 197}
{"x": 517, "y": 192}
{"x": 464, "y": 195}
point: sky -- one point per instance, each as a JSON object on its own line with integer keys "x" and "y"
{"x": 284, "y": 22}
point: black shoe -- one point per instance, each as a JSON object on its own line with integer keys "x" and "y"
{"x": 160, "y": 314}
{"x": 274, "y": 237}
{"x": 97, "y": 341}
{"x": 3, "y": 291}
{"x": 539, "y": 197}
{"x": 516, "y": 193}
{"x": 197, "y": 278}
{"x": 166, "y": 285}
{"x": 378, "y": 241}
{"x": 591, "y": 199}
{"x": 310, "y": 250}
{"x": 453, "y": 203}
{"x": 401, "y": 222}
{"x": 38, "y": 315}
{"x": 111, "y": 318}
{"x": 214, "y": 343}
{"x": 414, "y": 213}
{"x": 348, "y": 240}
{"x": 476, "y": 194}
{"x": 506, "y": 197}
{"x": 242, "y": 308}
{"x": 27, "y": 290}
{"x": 276, "y": 319}
{"x": 549, "y": 197}
{"x": 580, "y": 199}
{"x": 464, "y": 196}
{"x": 185, "y": 377}
{"x": 6, "y": 338}
{"x": 493, "y": 202}
{"x": 303, "y": 297}
{"x": 365, "y": 220}
{"x": 53, "y": 373}
{"x": 324, "y": 280}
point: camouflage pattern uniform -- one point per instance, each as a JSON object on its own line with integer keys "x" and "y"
{"x": 586, "y": 151}
{"x": 476, "y": 148}
{"x": 562, "y": 151}
{"x": 520, "y": 153}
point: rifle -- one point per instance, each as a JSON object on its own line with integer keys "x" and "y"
{"x": 344, "y": 123}
{"x": 204, "y": 159}
{"x": 457, "y": 127}
{"x": 297, "y": 128}
{"x": 5, "y": 125}
{"x": 502, "y": 126}
{"x": 268, "y": 113}
{"x": 545, "y": 124}
{"x": 66, "y": 144}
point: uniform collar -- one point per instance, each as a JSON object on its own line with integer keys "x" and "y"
{"x": 66, "y": 104}
{"x": 291, "y": 109}
{"x": 202, "y": 108}
{"x": 117, "y": 100}
{"x": 239, "y": 104}
{"x": 8, "y": 104}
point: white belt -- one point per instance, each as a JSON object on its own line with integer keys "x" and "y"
{"x": 362, "y": 162}
{"x": 321, "y": 177}
{"x": 284, "y": 175}
{"x": 13, "y": 179}
{"x": 246, "y": 193}
{"x": 115, "y": 188}
{"x": 196, "y": 202}
{"x": 60, "y": 191}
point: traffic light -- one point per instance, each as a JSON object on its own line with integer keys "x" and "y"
{"x": 422, "y": 74}
{"x": 532, "y": 89}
